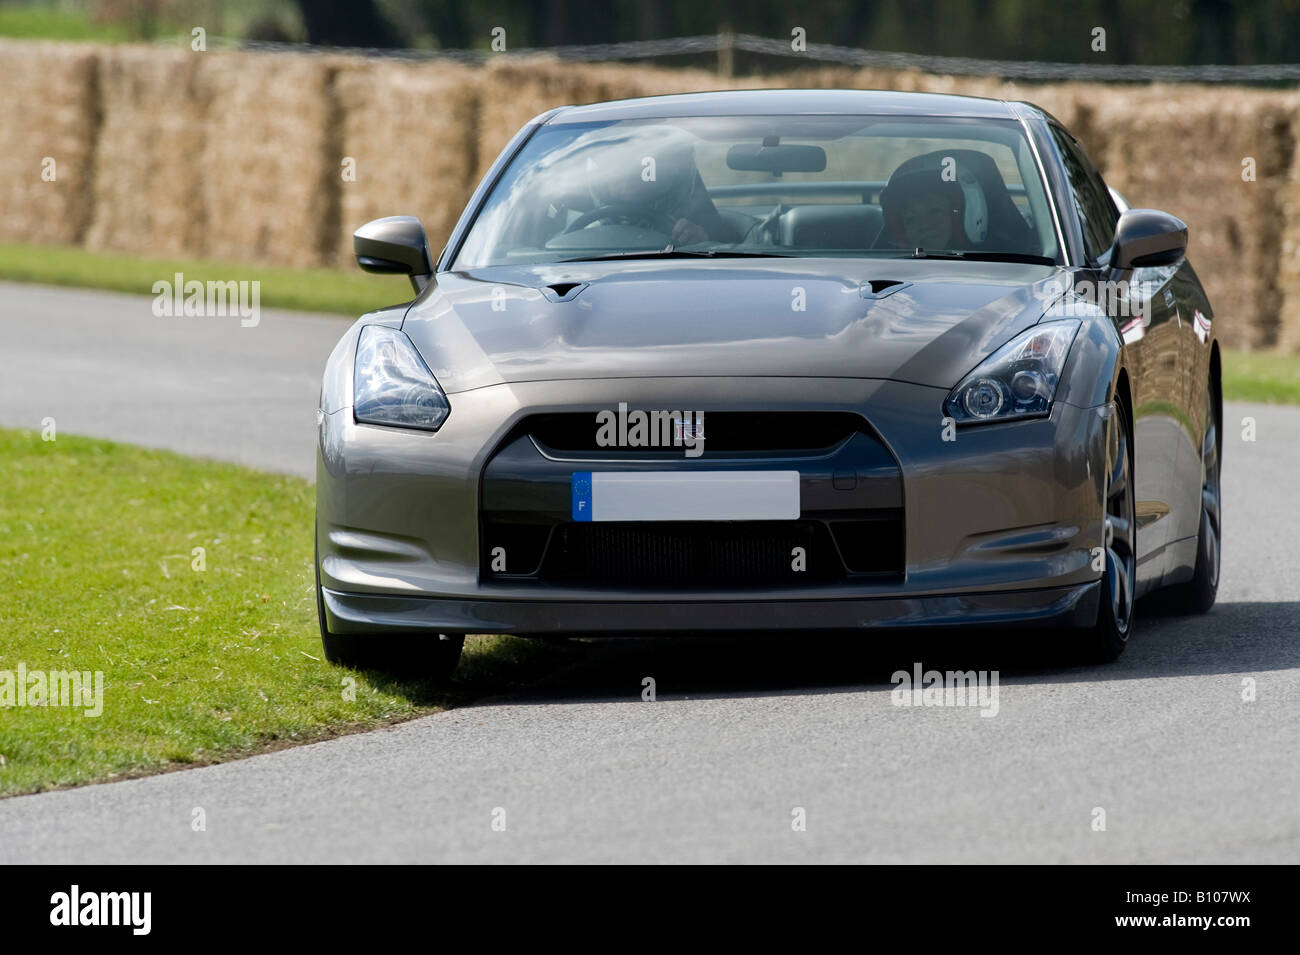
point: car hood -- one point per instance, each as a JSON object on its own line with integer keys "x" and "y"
{"x": 724, "y": 317}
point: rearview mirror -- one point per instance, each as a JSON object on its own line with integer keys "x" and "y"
{"x": 395, "y": 245}
{"x": 1148, "y": 237}
{"x": 752, "y": 157}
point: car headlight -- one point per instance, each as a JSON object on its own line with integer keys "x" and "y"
{"x": 1016, "y": 381}
{"x": 392, "y": 385}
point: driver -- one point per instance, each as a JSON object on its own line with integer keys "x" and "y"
{"x": 930, "y": 205}
{"x": 657, "y": 175}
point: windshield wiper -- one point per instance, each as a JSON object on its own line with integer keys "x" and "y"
{"x": 976, "y": 256}
{"x": 671, "y": 253}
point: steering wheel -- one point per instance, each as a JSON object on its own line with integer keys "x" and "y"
{"x": 659, "y": 221}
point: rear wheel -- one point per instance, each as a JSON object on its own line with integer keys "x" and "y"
{"x": 1198, "y": 594}
{"x": 426, "y": 655}
{"x": 1107, "y": 640}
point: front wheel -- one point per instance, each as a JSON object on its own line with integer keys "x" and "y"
{"x": 1108, "y": 639}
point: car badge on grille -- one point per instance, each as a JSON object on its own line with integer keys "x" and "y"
{"x": 687, "y": 430}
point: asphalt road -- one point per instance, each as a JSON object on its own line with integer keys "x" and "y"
{"x": 101, "y": 363}
{"x": 742, "y": 733}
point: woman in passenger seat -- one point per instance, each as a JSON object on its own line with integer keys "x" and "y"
{"x": 923, "y": 211}
{"x": 951, "y": 200}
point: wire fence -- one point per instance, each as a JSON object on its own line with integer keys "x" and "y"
{"x": 725, "y": 45}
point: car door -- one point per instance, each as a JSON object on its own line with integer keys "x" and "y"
{"x": 1147, "y": 320}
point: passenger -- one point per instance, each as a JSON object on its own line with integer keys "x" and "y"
{"x": 924, "y": 208}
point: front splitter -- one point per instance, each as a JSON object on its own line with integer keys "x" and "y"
{"x": 1074, "y": 606}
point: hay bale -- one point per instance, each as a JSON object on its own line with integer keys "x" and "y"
{"x": 270, "y": 158}
{"x": 148, "y": 195}
{"x": 411, "y": 130}
{"x": 1181, "y": 150}
{"x": 48, "y": 109}
{"x": 1288, "y": 210}
{"x": 822, "y": 78}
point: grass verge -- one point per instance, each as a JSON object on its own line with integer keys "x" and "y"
{"x": 46, "y": 21}
{"x": 1247, "y": 376}
{"x": 343, "y": 292}
{"x": 1261, "y": 376}
{"x": 97, "y": 551}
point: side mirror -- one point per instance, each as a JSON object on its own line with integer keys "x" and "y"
{"x": 1148, "y": 237}
{"x": 395, "y": 245}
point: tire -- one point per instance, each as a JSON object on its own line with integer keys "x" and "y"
{"x": 429, "y": 656}
{"x": 1198, "y": 594}
{"x": 1109, "y": 637}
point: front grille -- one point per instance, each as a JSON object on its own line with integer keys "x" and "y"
{"x": 733, "y": 431}
{"x": 849, "y": 531}
{"x": 684, "y": 555}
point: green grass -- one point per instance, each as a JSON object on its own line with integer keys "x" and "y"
{"x": 137, "y": 20}
{"x": 342, "y": 292}
{"x": 96, "y": 541}
{"x": 1261, "y": 376}
{"x": 31, "y": 21}
{"x": 1247, "y": 376}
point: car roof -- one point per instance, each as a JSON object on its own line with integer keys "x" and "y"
{"x": 783, "y": 101}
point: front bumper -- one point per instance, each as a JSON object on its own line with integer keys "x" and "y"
{"x": 999, "y": 525}
{"x": 377, "y": 613}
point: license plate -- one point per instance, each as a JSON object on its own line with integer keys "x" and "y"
{"x": 685, "y": 495}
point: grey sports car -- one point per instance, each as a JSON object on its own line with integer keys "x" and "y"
{"x": 772, "y": 360}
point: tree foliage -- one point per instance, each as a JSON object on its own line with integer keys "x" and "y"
{"x": 1176, "y": 32}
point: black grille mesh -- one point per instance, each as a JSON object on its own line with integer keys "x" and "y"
{"x": 684, "y": 555}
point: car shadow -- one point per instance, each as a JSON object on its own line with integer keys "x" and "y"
{"x": 1233, "y": 638}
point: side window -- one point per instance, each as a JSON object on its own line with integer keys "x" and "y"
{"x": 1097, "y": 212}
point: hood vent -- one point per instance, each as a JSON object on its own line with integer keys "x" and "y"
{"x": 563, "y": 291}
{"x": 879, "y": 288}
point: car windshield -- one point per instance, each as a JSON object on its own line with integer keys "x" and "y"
{"x": 809, "y": 185}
